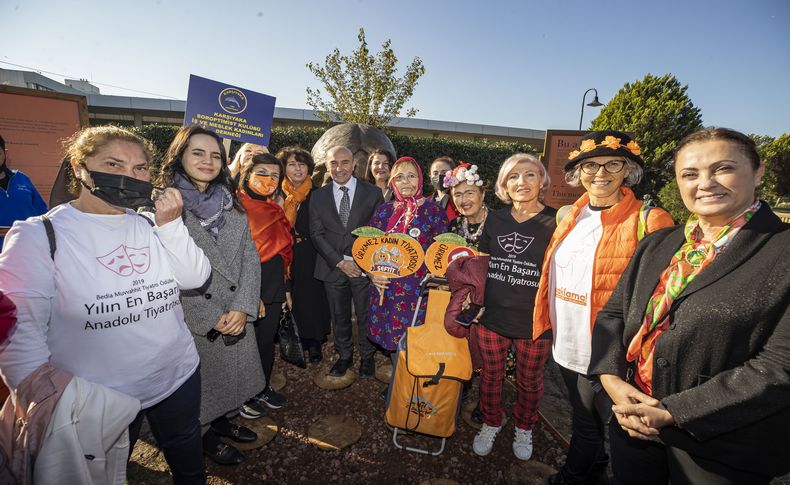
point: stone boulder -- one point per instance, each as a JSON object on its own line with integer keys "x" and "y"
{"x": 360, "y": 139}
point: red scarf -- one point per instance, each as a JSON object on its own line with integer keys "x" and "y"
{"x": 270, "y": 230}
{"x": 405, "y": 209}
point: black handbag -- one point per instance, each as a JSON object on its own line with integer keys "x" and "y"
{"x": 291, "y": 349}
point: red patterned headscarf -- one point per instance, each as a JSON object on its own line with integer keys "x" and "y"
{"x": 405, "y": 207}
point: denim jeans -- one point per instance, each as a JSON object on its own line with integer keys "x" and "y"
{"x": 175, "y": 424}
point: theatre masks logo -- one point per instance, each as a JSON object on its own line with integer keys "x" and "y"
{"x": 514, "y": 243}
{"x": 126, "y": 261}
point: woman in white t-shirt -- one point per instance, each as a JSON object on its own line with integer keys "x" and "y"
{"x": 98, "y": 295}
{"x": 588, "y": 252}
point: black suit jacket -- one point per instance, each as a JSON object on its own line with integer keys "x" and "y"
{"x": 722, "y": 368}
{"x": 330, "y": 238}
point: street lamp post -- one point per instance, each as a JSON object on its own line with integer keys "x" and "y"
{"x": 594, "y": 103}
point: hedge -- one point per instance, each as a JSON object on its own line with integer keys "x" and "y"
{"x": 487, "y": 154}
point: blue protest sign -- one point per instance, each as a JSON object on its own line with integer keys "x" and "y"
{"x": 229, "y": 111}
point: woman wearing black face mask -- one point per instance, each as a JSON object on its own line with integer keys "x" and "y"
{"x": 220, "y": 313}
{"x": 97, "y": 297}
{"x": 271, "y": 232}
{"x": 441, "y": 194}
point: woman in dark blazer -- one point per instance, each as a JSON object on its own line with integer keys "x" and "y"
{"x": 308, "y": 297}
{"x": 694, "y": 345}
{"x": 220, "y": 314}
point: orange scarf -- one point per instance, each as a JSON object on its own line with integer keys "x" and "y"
{"x": 295, "y": 196}
{"x": 269, "y": 228}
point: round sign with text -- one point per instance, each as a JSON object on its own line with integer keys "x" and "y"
{"x": 440, "y": 254}
{"x": 391, "y": 255}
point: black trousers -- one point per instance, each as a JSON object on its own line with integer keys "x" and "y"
{"x": 175, "y": 424}
{"x": 341, "y": 294}
{"x": 646, "y": 463}
{"x": 587, "y": 454}
{"x": 265, "y": 333}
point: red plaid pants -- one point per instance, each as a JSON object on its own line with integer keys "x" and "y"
{"x": 531, "y": 356}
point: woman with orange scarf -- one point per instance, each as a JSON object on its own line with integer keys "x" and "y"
{"x": 271, "y": 233}
{"x": 310, "y": 306}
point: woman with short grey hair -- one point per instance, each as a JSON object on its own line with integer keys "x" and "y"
{"x": 591, "y": 247}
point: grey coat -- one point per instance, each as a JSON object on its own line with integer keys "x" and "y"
{"x": 230, "y": 374}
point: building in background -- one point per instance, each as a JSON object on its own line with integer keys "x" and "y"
{"x": 137, "y": 111}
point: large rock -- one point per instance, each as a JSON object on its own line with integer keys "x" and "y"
{"x": 360, "y": 139}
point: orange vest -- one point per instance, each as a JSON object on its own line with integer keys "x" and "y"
{"x": 617, "y": 245}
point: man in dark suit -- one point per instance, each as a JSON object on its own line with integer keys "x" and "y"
{"x": 335, "y": 210}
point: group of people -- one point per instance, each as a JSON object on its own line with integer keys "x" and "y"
{"x": 168, "y": 299}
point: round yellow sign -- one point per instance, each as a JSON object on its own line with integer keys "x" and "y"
{"x": 391, "y": 255}
{"x": 441, "y": 254}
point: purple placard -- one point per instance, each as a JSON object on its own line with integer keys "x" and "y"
{"x": 229, "y": 111}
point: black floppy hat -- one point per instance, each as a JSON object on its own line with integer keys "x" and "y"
{"x": 605, "y": 143}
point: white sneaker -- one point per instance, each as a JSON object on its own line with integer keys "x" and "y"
{"x": 484, "y": 441}
{"x": 522, "y": 443}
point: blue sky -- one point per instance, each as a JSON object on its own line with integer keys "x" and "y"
{"x": 523, "y": 64}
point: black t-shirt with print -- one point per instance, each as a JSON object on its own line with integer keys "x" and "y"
{"x": 516, "y": 251}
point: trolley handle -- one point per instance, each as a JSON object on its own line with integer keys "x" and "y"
{"x": 431, "y": 281}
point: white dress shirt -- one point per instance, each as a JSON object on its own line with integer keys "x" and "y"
{"x": 352, "y": 187}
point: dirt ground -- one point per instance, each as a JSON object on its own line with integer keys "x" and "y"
{"x": 290, "y": 458}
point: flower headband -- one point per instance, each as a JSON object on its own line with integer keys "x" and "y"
{"x": 611, "y": 142}
{"x": 464, "y": 172}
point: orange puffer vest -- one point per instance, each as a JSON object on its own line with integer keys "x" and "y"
{"x": 618, "y": 242}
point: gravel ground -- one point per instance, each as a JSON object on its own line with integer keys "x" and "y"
{"x": 290, "y": 458}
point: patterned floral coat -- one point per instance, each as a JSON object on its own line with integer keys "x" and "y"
{"x": 388, "y": 322}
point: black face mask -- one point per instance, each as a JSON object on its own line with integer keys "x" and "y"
{"x": 120, "y": 190}
{"x": 437, "y": 181}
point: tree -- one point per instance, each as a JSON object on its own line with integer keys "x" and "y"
{"x": 659, "y": 113}
{"x": 775, "y": 188}
{"x": 363, "y": 88}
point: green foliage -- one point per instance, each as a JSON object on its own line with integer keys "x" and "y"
{"x": 362, "y": 87}
{"x": 486, "y": 154}
{"x": 289, "y": 136}
{"x": 659, "y": 113}
{"x": 161, "y": 136}
{"x": 669, "y": 198}
{"x": 368, "y": 231}
{"x": 775, "y": 153}
{"x": 451, "y": 238}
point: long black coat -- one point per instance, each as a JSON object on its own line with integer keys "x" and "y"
{"x": 722, "y": 368}
{"x": 310, "y": 306}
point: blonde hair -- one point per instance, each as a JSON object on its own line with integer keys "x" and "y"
{"x": 240, "y": 152}
{"x": 507, "y": 166}
{"x": 86, "y": 142}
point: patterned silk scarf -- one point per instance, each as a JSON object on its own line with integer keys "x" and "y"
{"x": 693, "y": 256}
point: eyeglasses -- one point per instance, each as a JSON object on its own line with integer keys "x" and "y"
{"x": 612, "y": 166}
{"x": 402, "y": 178}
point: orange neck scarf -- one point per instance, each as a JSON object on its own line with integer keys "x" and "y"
{"x": 269, "y": 228}
{"x": 295, "y": 196}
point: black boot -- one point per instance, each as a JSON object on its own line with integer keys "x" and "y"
{"x": 220, "y": 452}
